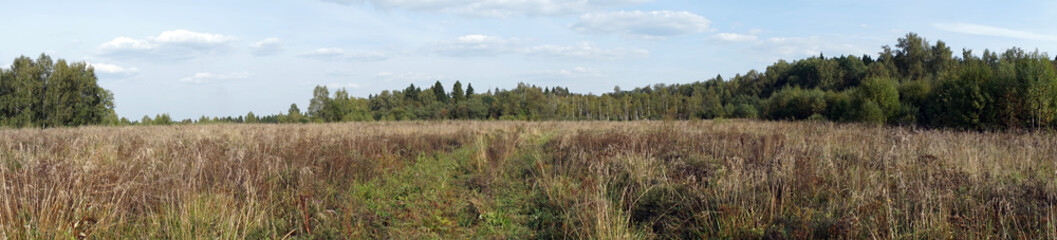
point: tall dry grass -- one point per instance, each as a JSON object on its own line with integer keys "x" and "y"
{"x": 611, "y": 180}
{"x": 812, "y": 180}
{"x": 180, "y": 181}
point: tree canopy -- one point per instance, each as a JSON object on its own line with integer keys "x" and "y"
{"x": 47, "y": 93}
{"x": 915, "y": 83}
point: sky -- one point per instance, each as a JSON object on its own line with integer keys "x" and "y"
{"x": 194, "y": 58}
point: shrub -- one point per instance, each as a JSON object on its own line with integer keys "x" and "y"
{"x": 795, "y": 104}
{"x": 745, "y": 111}
{"x": 883, "y": 93}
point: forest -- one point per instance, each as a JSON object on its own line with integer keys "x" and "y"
{"x": 916, "y": 83}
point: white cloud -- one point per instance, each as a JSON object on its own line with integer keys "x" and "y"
{"x": 183, "y": 36}
{"x": 123, "y": 43}
{"x": 585, "y": 50}
{"x": 177, "y": 44}
{"x": 338, "y": 54}
{"x": 800, "y": 47}
{"x": 774, "y": 48}
{"x": 733, "y": 38}
{"x": 477, "y": 38}
{"x": 984, "y": 30}
{"x": 651, "y": 25}
{"x": 343, "y": 85}
{"x": 204, "y": 77}
{"x": 476, "y": 45}
{"x": 791, "y": 46}
{"x": 113, "y": 70}
{"x": 327, "y": 52}
{"x": 340, "y": 73}
{"x": 483, "y": 45}
{"x": 413, "y": 77}
{"x": 575, "y": 73}
{"x": 495, "y": 8}
{"x": 266, "y": 47}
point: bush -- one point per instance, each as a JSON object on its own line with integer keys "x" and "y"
{"x": 745, "y": 111}
{"x": 961, "y": 102}
{"x": 883, "y": 93}
{"x": 839, "y": 106}
{"x": 869, "y": 112}
{"x": 795, "y": 104}
{"x": 915, "y": 92}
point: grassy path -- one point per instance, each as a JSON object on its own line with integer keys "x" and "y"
{"x": 519, "y": 180}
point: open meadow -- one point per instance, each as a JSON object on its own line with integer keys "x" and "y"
{"x": 526, "y": 180}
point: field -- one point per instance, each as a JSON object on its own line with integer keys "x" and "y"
{"x": 526, "y": 180}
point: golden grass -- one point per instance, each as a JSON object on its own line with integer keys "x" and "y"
{"x": 467, "y": 179}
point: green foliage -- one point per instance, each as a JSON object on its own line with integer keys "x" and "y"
{"x": 869, "y": 112}
{"x": 816, "y": 73}
{"x": 915, "y": 92}
{"x": 411, "y": 92}
{"x": 853, "y": 69}
{"x": 839, "y": 106}
{"x": 1036, "y": 81}
{"x": 251, "y": 118}
{"x": 745, "y": 111}
{"x": 47, "y": 93}
{"x": 457, "y": 94}
{"x": 914, "y": 83}
{"x": 146, "y": 120}
{"x": 960, "y": 102}
{"x": 439, "y": 93}
{"x": 162, "y": 119}
{"x": 911, "y": 56}
{"x": 795, "y": 104}
{"x": 317, "y": 106}
{"x": 293, "y": 115}
{"x": 882, "y": 93}
{"x": 713, "y": 106}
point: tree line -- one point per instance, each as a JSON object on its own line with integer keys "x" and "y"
{"x": 915, "y": 83}
{"x": 47, "y": 93}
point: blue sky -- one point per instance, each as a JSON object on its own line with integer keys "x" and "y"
{"x": 225, "y": 58}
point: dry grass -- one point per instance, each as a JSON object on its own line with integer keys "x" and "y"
{"x": 607, "y": 180}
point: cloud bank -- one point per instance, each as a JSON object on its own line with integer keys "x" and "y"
{"x": 113, "y": 70}
{"x": 985, "y": 30}
{"x": 733, "y": 38}
{"x": 177, "y": 44}
{"x": 650, "y": 25}
{"x": 204, "y": 77}
{"x": 340, "y": 55}
{"x": 477, "y": 45}
{"x": 267, "y": 47}
{"x": 494, "y": 8}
